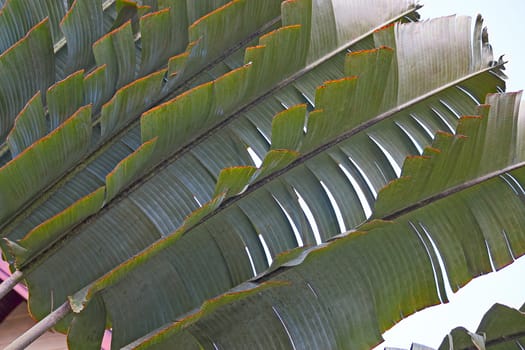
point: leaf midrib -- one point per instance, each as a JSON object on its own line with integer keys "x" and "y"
{"x": 451, "y": 191}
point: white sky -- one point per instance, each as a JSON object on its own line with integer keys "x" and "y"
{"x": 504, "y": 19}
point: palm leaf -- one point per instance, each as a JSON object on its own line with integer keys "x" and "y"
{"x": 217, "y": 167}
{"x": 224, "y": 274}
{"x": 346, "y": 292}
{"x": 90, "y": 179}
{"x": 161, "y": 182}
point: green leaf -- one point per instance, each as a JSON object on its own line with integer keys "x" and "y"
{"x": 243, "y": 294}
{"x": 373, "y": 294}
{"x": 455, "y": 160}
{"x": 30, "y": 125}
{"x": 31, "y": 61}
{"x": 199, "y": 134}
{"x": 117, "y": 51}
{"x": 501, "y": 328}
{"x": 233, "y": 181}
{"x": 156, "y": 40}
{"x": 278, "y": 236}
{"x": 86, "y": 331}
{"x": 281, "y": 231}
{"x": 287, "y": 132}
{"x": 95, "y": 90}
{"x": 274, "y": 161}
{"x": 32, "y": 170}
{"x": 196, "y": 11}
{"x": 18, "y": 17}
{"x": 314, "y": 308}
{"x": 64, "y": 98}
{"x": 129, "y": 169}
{"x": 186, "y": 115}
{"x": 82, "y": 26}
{"x": 48, "y": 232}
{"x": 105, "y": 155}
{"x": 233, "y": 19}
{"x": 129, "y": 101}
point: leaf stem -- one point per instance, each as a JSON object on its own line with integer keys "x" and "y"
{"x": 40, "y": 328}
{"x": 7, "y": 285}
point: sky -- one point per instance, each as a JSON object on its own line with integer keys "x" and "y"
{"x": 504, "y": 19}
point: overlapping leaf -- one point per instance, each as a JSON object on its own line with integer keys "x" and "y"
{"x": 29, "y": 173}
{"x": 84, "y": 22}
{"x": 196, "y": 149}
{"x": 217, "y": 167}
{"x": 30, "y": 61}
{"x": 18, "y": 17}
{"x": 125, "y": 106}
{"x": 347, "y": 292}
{"x": 33, "y": 53}
{"x": 218, "y": 236}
